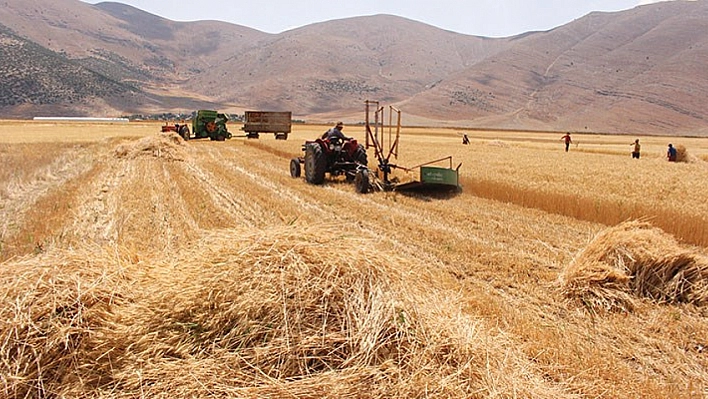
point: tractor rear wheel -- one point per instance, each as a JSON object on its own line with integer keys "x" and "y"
{"x": 360, "y": 155}
{"x": 184, "y": 132}
{"x": 361, "y": 181}
{"x": 315, "y": 164}
{"x": 295, "y": 170}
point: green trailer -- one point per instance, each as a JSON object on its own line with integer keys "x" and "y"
{"x": 210, "y": 124}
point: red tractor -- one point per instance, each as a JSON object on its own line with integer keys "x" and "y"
{"x": 334, "y": 157}
{"x": 182, "y": 130}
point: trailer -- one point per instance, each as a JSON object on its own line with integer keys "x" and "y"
{"x": 257, "y": 122}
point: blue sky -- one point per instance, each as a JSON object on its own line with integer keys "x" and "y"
{"x": 493, "y": 18}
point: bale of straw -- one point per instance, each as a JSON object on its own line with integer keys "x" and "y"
{"x": 166, "y": 145}
{"x": 635, "y": 260}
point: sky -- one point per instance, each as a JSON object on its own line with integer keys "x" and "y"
{"x": 491, "y": 18}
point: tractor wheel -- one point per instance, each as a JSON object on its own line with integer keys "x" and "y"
{"x": 315, "y": 164}
{"x": 295, "y": 170}
{"x": 361, "y": 181}
{"x": 360, "y": 155}
{"x": 184, "y": 132}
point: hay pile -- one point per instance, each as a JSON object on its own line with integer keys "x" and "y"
{"x": 682, "y": 154}
{"x": 635, "y": 260}
{"x": 311, "y": 312}
{"x": 167, "y": 145}
{"x": 50, "y": 308}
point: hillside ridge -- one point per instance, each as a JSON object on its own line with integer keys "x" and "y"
{"x": 638, "y": 70}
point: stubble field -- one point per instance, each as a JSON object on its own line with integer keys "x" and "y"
{"x": 137, "y": 265}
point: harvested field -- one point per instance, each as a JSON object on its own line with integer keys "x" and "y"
{"x": 134, "y": 264}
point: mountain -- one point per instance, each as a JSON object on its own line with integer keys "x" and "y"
{"x": 41, "y": 78}
{"x": 336, "y": 65}
{"x": 326, "y": 67}
{"x": 639, "y": 70}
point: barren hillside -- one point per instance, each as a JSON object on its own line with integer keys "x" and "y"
{"x": 334, "y": 66}
{"x": 637, "y": 71}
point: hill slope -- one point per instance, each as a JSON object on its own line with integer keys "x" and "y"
{"x": 50, "y": 82}
{"x": 633, "y": 71}
{"x": 336, "y": 65}
{"x": 637, "y": 70}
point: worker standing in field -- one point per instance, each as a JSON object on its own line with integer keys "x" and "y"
{"x": 465, "y": 139}
{"x": 567, "y": 140}
{"x": 671, "y": 153}
{"x": 635, "y": 151}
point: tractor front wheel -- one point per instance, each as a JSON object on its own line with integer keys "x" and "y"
{"x": 295, "y": 170}
{"x": 315, "y": 163}
{"x": 361, "y": 181}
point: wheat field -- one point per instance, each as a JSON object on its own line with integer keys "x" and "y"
{"x": 134, "y": 264}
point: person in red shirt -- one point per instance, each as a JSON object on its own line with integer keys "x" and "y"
{"x": 567, "y": 140}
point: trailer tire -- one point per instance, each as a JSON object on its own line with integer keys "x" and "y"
{"x": 361, "y": 181}
{"x": 315, "y": 163}
{"x": 220, "y": 137}
{"x": 295, "y": 170}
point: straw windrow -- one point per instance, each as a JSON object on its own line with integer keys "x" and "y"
{"x": 168, "y": 145}
{"x": 275, "y": 313}
{"x": 636, "y": 260}
{"x": 50, "y": 309}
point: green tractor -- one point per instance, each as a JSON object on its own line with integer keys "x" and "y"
{"x": 211, "y": 124}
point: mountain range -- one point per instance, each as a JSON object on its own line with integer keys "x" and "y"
{"x": 640, "y": 71}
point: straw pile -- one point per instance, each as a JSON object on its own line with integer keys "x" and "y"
{"x": 167, "y": 145}
{"x": 50, "y": 307}
{"x": 682, "y": 154}
{"x": 291, "y": 312}
{"x": 635, "y": 260}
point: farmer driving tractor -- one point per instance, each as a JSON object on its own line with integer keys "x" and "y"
{"x": 335, "y": 133}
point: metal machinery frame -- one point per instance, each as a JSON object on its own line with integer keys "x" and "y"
{"x": 430, "y": 177}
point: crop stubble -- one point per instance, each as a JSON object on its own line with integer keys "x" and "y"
{"x": 496, "y": 263}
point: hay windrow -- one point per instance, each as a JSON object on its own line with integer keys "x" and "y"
{"x": 166, "y": 145}
{"x": 635, "y": 260}
{"x": 51, "y": 305}
{"x": 309, "y": 312}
